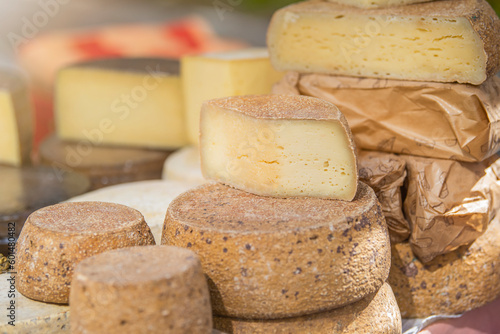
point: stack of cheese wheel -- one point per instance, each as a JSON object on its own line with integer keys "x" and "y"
{"x": 289, "y": 239}
{"x": 415, "y": 78}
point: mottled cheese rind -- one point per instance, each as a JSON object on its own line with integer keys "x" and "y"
{"x": 377, "y": 3}
{"x": 130, "y": 102}
{"x": 454, "y": 283}
{"x": 444, "y": 41}
{"x": 214, "y": 75}
{"x": 271, "y": 257}
{"x": 376, "y": 313}
{"x": 279, "y": 145}
{"x": 153, "y": 289}
{"x": 55, "y": 238}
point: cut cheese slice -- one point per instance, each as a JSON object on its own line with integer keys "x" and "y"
{"x": 184, "y": 165}
{"x": 269, "y": 258}
{"x": 279, "y": 145}
{"x": 134, "y": 102}
{"x": 377, "y": 3}
{"x": 215, "y": 75}
{"x": 16, "y": 133}
{"x": 446, "y": 41}
{"x": 377, "y": 313}
{"x": 55, "y": 238}
{"x": 140, "y": 290}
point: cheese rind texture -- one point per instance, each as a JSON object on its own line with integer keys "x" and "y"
{"x": 279, "y": 145}
{"x": 149, "y": 289}
{"x": 377, "y": 3}
{"x": 454, "y": 283}
{"x": 128, "y": 102}
{"x": 444, "y": 41}
{"x": 16, "y": 133}
{"x": 377, "y": 313}
{"x": 269, "y": 258}
{"x": 55, "y": 238}
{"x": 215, "y": 75}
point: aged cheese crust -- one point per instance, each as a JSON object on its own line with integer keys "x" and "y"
{"x": 140, "y": 289}
{"x": 376, "y": 313}
{"x": 279, "y": 145}
{"x": 481, "y": 20}
{"x": 269, "y": 258}
{"x": 377, "y": 3}
{"x": 55, "y": 238}
{"x": 450, "y": 284}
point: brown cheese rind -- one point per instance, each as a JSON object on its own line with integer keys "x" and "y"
{"x": 377, "y": 313}
{"x": 54, "y": 239}
{"x": 140, "y": 289}
{"x": 464, "y": 279}
{"x": 273, "y": 258}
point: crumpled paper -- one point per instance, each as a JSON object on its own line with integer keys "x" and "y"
{"x": 439, "y": 120}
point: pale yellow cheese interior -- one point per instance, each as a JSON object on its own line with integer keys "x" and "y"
{"x": 10, "y": 146}
{"x": 120, "y": 108}
{"x": 280, "y": 158}
{"x": 408, "y": 48}
{"x": 376, "y": 3}
{"x": 243, "y": 72}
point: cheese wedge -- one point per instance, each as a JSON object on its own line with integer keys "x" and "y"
{"x": 215, "y": 75}
{"x": 445, "y": 41}
{"x": 133, "y": 102}
{"x": 376, "y": 3}
{"x": 16, "y": 133}
{"x": 279, "y": 145}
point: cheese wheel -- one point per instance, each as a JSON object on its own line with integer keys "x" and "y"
{"x": 184, "y": 165}
{"x": 151, "y": 198}
{"x": 464, "y": 279}
{"x": 55, "y": 238}
{"x": 154, "y": 289}
{"x": 279, "y": 145}
{"x": 271, "y": 258}
{"x": 376, "y": 313}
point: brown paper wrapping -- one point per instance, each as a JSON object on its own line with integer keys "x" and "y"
{"x": 386, "y": 173}
{"x": 439, "y": 120}
{"x": 449, "y": 203}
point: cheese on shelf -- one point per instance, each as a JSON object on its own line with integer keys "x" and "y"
{"x": 184, "y": 165}
{"x": 377, "y": 313}
{"x": 215, "y": 75}
{"x": 55, "y": 238}
{"x": 152, "y": 289}
{"x": 131, "y": 102}
{"x": 16, "y": 133}
{"x": 377, "y": 3}
{"x": 269, "y": 258}
{"x": 445, "y": 41}
{"x": 279, "y": 145}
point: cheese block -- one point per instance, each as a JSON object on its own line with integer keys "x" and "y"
{"x": 184, "y": 165}
{"x": 279, "y": 145}
{"x": 134, "y": 102}
{"x": 55, "y": 238}
{"x": 104, "y": 165}
{"x": 444, "y": 41}
{"x": 150, "y": 289}
{"x": 464, "y": 279}
{"x": 269, "y": 258}
{"x": 214, "y": 75}
{"x": 16, "y": 133}
{"x": 150, "y": 198}
{"x": 377, "y": 3}
{"x": 376, "y": 313}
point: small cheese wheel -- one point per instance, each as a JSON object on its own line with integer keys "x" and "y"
{"x": 272, "y": 257}
{"x": 184, "y": 165}
{"x": 377, "y": 313}
{"x": 153, "y": 289}
{"x": 55, "y": 238}
{"x": 464, "y": 279}
{"x": 279, "y": 145}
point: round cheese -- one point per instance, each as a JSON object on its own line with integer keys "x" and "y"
{"x": 155, "y": 289}
{"x": 281, "y": 257}
{"x": 377, "y": 313}
{"x": 464, "y": 279}
{"x": 184, "y": 165}
{"x": 55, "y": 238}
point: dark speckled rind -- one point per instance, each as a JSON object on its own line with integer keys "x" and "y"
{"x": 269, "y": 258}
{"x": 54, "y": 239}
